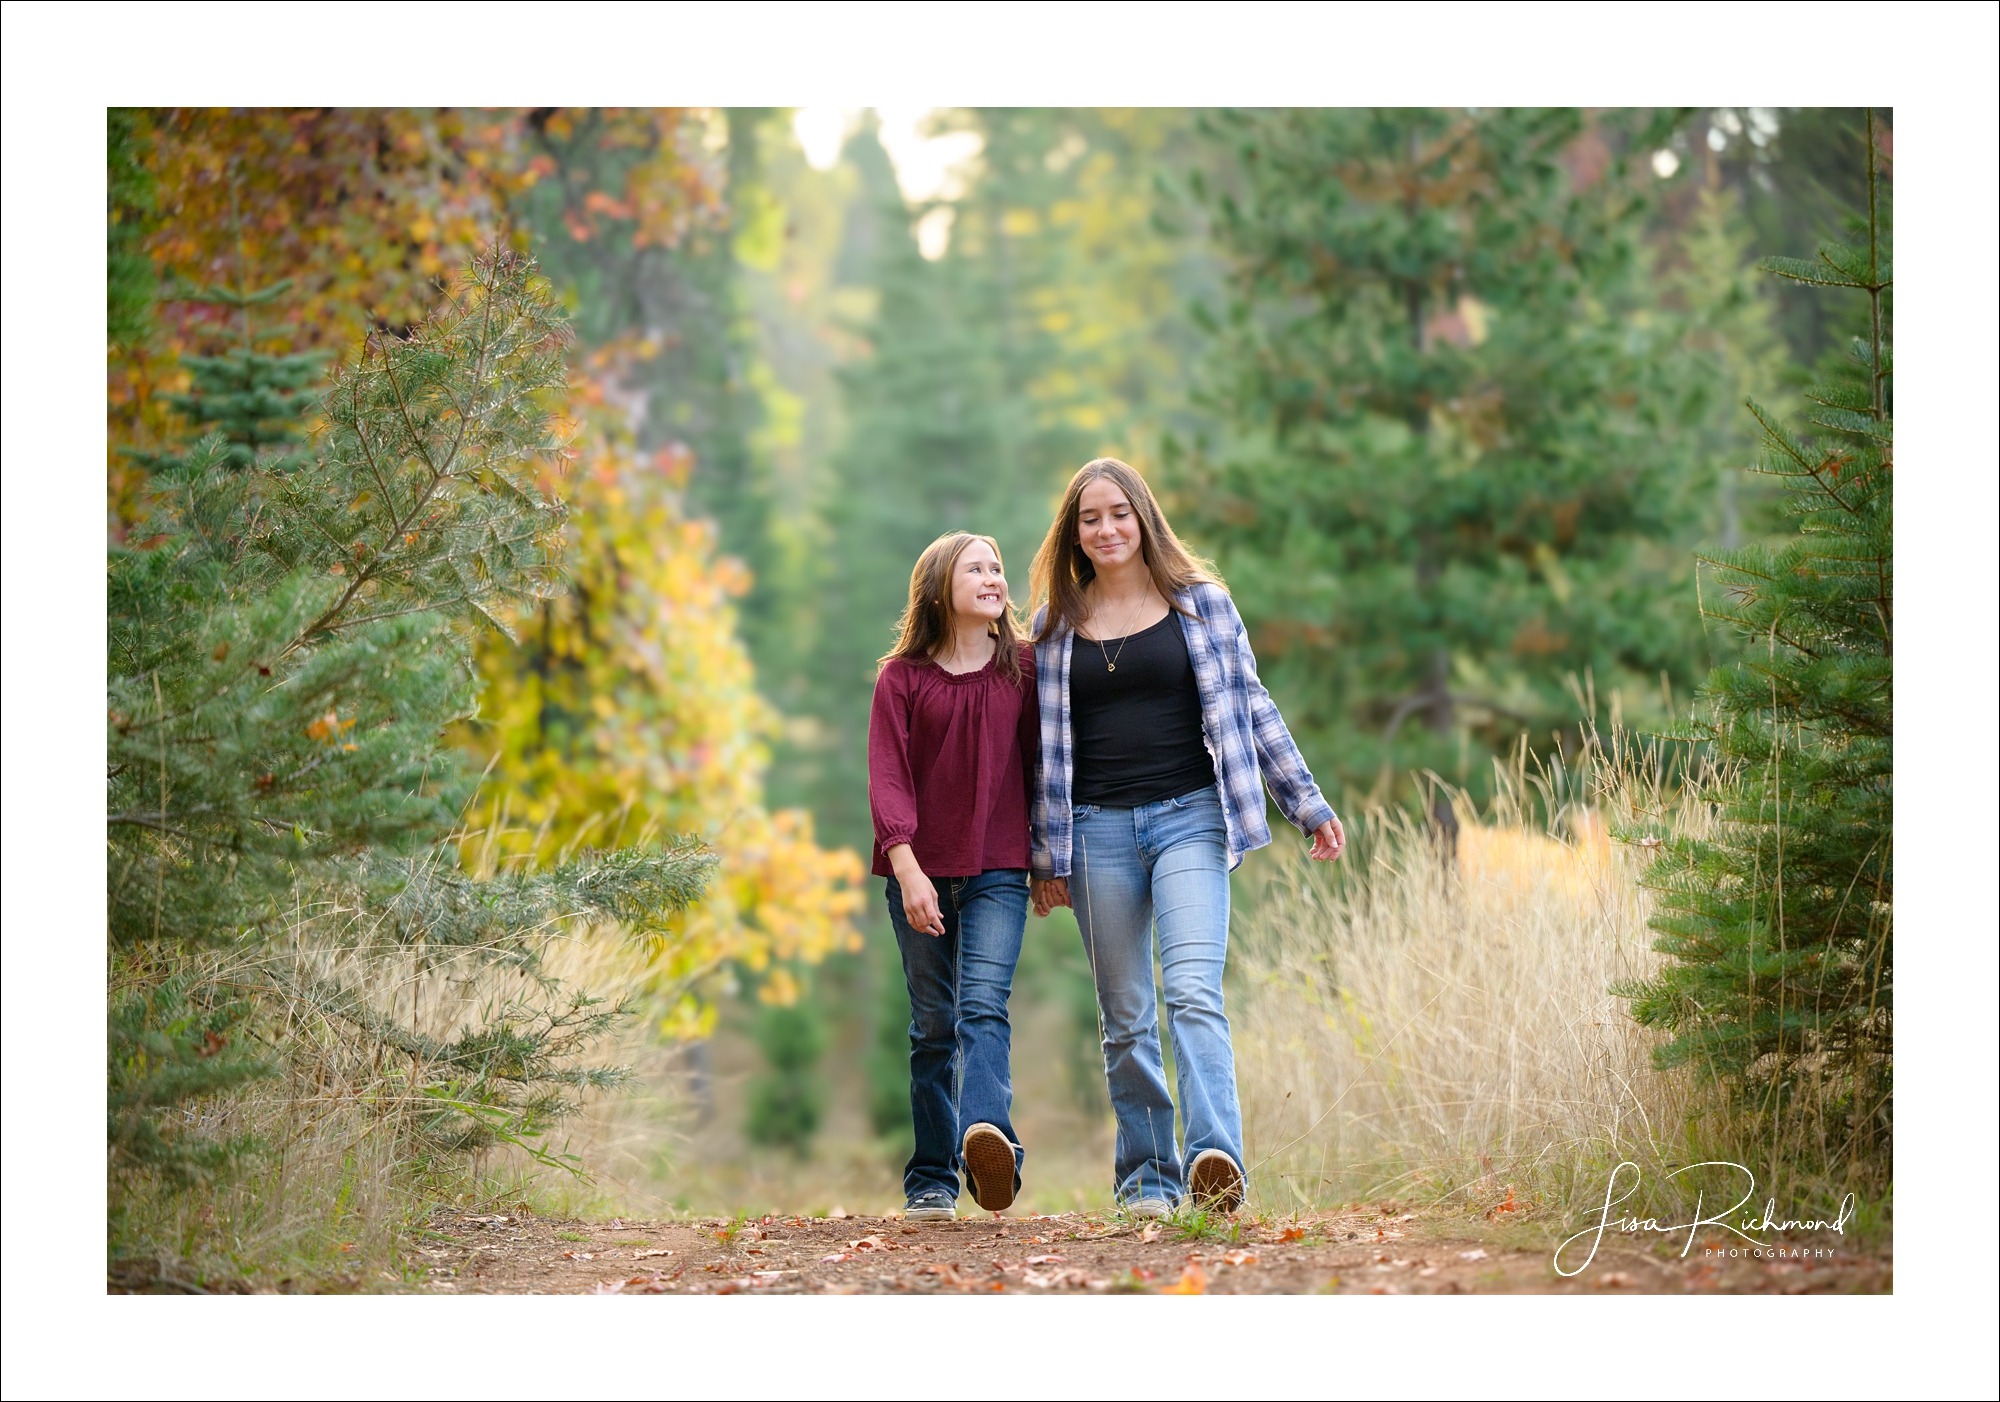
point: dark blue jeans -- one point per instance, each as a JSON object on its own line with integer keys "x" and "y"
{"x": 959, "y": 1037}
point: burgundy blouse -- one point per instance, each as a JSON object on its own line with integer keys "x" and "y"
{"x": 951, "y": 766}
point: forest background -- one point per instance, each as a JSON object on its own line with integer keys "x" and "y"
{"x": 808, "y": 341}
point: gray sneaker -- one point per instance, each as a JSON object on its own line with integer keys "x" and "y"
{"x": 931, "y": 1207}
{"x": 1151, "y": 1208}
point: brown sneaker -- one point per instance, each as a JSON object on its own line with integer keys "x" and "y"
{"x": 1215, "y": 1182}
{"x": 989, "y": 1167}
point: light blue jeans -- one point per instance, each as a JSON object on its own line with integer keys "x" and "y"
{"x": 1162, "y": 868}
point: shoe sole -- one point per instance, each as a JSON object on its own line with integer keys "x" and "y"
{"x": 989, "y": 1163}
{"x": 1216, "y": 1184}
{"x": 930, "y": 1214}
{"x": 1151, "y": 1209}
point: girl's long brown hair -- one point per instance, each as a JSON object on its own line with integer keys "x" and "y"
{"x": 925, "y": 626}
{"x": 1062, "y": 571}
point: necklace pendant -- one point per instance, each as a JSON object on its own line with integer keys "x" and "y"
{"x": 1111, "y": 666}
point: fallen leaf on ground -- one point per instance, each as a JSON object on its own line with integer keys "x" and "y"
{"x": 1241, "y": 1258}
{"x": 839, "y": 1256}
{"x": 1613, "y": 1281}
{"x": 1508, "y": 1206}
{"x": 608, "y": 1287}
{"x": 1049, "y": 1259}
{"x": 1150, "y": 1234}
{"x": 1292, "y": 1234}
{"x": 838, "y": 1214}
{"x": 871, "y": 1243}
{"x": 581, "y": 1255}
{"x": 656, "y": 1251}
{"x": 1193, "y": 1281}
{"x": 1476, "y": 1254}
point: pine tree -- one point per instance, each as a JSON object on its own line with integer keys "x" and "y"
{"x": 286, "y": 651}
{"x": 252, "y": 398}
{"x": 1450, "y": 459}
{"x": 1778, "y": 925}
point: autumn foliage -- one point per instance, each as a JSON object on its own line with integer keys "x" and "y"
{"x": 628, "y": 707}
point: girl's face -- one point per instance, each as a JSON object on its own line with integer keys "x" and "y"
{"x": 978, "y": 586}
{"x": 1106, "y": 525}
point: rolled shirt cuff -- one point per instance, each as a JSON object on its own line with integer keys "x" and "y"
{"x": 1310, "y": 820}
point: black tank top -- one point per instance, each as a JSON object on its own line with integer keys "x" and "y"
{"x": 1135, "y": 731}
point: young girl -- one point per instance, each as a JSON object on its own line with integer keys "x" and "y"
{"x": 951, "y": 767}
{"x": 1157, "y": 742}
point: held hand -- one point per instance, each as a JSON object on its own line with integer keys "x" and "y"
{"x": 1329, "y": 841}
{"x": 1049, "y": 894}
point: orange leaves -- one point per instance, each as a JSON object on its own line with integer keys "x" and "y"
{"x": 1193, "y": 1281}
{"x": 1493, "y": 1213}
{"x": 329, "y": 728}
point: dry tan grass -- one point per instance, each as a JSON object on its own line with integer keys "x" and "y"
{"x": 1441, "y": 1025}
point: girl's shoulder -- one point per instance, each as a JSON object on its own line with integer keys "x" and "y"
{"x": 1210, "y": 602}
{"x": 900, "y": 673}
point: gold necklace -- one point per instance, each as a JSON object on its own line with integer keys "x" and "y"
{"x": 1110, "y": 660}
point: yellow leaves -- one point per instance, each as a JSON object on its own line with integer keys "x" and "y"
{"x": 629, "y": 710}
{"x": 779, "y": 988}
{"x": 1020, "y": 223}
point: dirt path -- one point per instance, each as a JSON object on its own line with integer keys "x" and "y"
{"x": 1379, "y": 1251}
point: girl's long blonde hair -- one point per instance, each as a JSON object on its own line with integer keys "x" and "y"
{"x": 925, "y": 626}
{"x": 1062, "y": 571}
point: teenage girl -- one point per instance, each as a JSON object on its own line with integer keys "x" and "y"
{"x": 951, "y": 766}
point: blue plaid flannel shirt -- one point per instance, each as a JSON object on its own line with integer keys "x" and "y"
{"x": 1240, "y": 723}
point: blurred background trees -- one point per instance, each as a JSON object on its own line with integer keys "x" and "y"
{"x": 1450, "y": 396}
